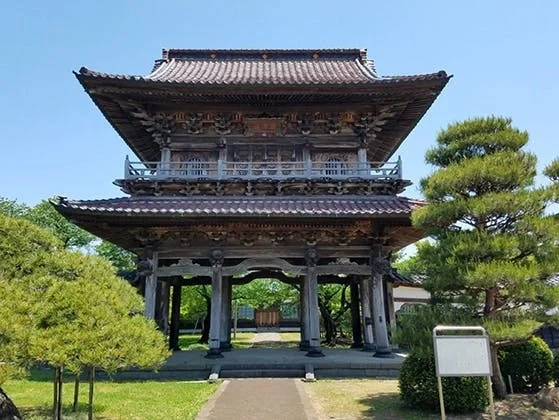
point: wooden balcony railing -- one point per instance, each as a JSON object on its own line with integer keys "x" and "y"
{"x": 222, "y": 170}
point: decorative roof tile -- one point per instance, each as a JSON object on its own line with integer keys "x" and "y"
{"x": 244, "y": 206}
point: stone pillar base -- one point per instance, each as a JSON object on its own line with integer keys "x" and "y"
{"x": 314, "y": 352}
{"x": 214, "y": 354}
{"x": 384, "y": 354}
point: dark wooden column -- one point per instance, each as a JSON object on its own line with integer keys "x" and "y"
{"x": 355, "y": 315}
{"x": 175, "y": 316}
{"x": 380, "y": 266}
{"x": 225, "y": 337}
{"x": 148, "y": 267}
{"x": 389, "y": 305}
{"x": 215, "y": 320}
{"x": 313, "y": 311}
{"x": 367, "y": 320}
{"x": 304, "y": 344}
{"x": 162, "y": 305}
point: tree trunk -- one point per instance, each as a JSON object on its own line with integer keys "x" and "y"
{"x": 205, "y": 337}
{"x": 498, "y": 381}
{"x": 54, "y": 391}
{"x": 58, "y": 378}
{"x": 76, "y": 392}
{"x": 330, "y": 326}
{"x": 8, "y": 410}
{"x": 91, "y": 387}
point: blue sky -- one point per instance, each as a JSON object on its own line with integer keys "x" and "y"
{"x": 504, "y": 56}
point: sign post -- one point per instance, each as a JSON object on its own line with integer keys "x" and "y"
{"x": 462, "y": 355}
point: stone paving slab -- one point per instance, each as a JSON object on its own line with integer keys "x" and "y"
{"x": 257, "y": 399}
{"x": 267, "y": 337}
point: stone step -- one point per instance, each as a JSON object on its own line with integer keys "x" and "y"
{"x": 262, "y": 373}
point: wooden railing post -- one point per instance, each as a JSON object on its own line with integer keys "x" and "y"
{"x": 126, "y": 168}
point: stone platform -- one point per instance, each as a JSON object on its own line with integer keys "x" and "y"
{"x": 272, "y": 362}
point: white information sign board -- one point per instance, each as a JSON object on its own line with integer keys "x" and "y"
{"x": 462, "y": 355}
{"x": 466, "y": 355}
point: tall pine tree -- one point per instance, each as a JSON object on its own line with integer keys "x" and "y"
{"x": 494, "y": 248}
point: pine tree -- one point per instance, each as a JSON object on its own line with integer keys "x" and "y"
{"x": 494, "y": 248}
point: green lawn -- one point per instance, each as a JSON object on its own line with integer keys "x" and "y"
{"x": 113, "y": 400}
{"x": 290, "y": 339}
{"x": 190, "y": 341}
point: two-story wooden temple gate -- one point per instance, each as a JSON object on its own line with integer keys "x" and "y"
{"x": 260, "y": 163}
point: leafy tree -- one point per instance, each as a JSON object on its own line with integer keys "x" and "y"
{"x": 193, "y": 302}
{"x": 46, "y": 216}
{"x": 265, "y": 293}
{"x": 494, "y": 248}
{"x": 12, "y": 208}
{"x": 122, "y": 260}
{"x": 334, "y": 304}
{"x": 409, "y": 265}
{"x": 68, "y": 309}
{"x": 552, "y": 172}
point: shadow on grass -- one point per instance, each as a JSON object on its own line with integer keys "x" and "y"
{"x": 388, "y": 405}
{"x": 45, "y": 412}
{"x": 46, "y": 375}
{"x": 274, "y": 345}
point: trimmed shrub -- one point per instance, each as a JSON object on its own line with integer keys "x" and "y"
{"x": 418, "y": 387}
{"x": 529, "y": 364}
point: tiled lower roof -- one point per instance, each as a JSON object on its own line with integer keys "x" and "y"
{"x": 244, "y": 206}
{"x": 401, "y": 280}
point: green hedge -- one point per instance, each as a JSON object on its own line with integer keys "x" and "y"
{"x": 529, "y": 364}
{"x": 418, "y": 387}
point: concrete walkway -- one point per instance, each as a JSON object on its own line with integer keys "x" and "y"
{"x": 259, "y": 399}
{"x": 262, "y": 398}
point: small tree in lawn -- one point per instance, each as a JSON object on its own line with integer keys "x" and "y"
{"x": 90, "y": 318}
{"x": 25, "y": 249}
{"x": 67, "y": 309}
{"x": 494, "y": 248}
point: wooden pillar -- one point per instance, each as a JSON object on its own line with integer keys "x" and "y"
{"x": 362, "y": 159}
{"x": 148, "y": 268}
{"x": 379, "y": 266}
{"x": 175, "y": 316}
{"x": 215, "y": 321}
{"x": 314, "y": 314}
{"x": 165, "y": 164}
{"x": 367, "y": 320}
{"x": 304, "y": 299}
{"x": 225, "y": 338}
{"x": 307, "y": 158}
{"x": 355, "y": 316}
{"x": 162, "y": 306}
{"x": 389, "y": 304}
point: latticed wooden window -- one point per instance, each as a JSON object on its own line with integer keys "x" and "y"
{"x": 333, "y": 166}
{"x": 245, "y": 312}
{"x": 195, "y": 167}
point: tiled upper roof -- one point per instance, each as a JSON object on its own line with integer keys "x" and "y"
{"x": 264, "y": 67}
{"x": 244, "y": 206}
